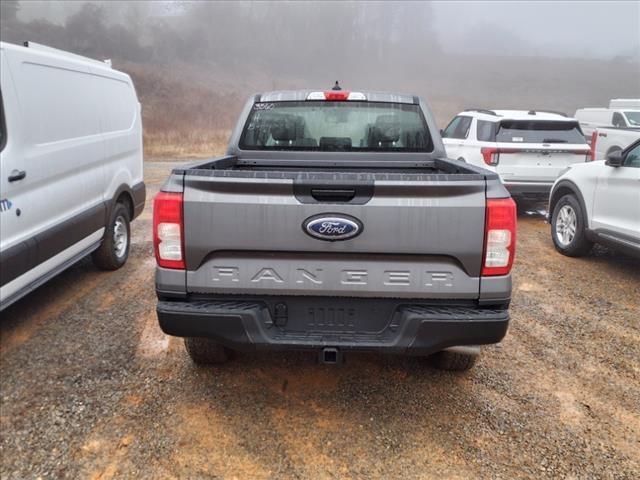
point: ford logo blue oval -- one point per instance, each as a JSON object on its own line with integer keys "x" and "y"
{"x": 332, "y": 227}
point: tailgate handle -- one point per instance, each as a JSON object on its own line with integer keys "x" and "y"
{"x": 333, "y": 194}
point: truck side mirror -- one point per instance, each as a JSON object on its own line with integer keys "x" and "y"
{"x": 614, "y": 159}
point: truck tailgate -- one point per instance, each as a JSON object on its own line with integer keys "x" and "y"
{"x": 422, "y": 235}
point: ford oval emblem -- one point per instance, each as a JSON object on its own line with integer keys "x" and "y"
{"x": 332, "y": 227}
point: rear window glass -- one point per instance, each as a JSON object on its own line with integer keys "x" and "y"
{"x": 538, "y": 131}
{"x": 336, "y": 126}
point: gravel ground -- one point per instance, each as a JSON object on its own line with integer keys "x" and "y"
{"x": 91, "y": 388}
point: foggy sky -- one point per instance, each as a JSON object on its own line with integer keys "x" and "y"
{"x": 548, "y": 28}
{"x": 542, "y": 28}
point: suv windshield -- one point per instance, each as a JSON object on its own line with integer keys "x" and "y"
{"x": 633, "y": 118}
{"x": 539, "y": 131}
{"x": 336, "y": 126}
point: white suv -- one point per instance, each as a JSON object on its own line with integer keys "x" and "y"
{"x": 528, "y": 149}
{"x": 598, "y": 202}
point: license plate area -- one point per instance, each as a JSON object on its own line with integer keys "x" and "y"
{"x": 330, "y": 315}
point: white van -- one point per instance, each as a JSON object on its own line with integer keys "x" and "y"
{"x": 70, "y": 165}
{"x": 622, "y": 113}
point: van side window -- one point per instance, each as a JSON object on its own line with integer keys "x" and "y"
{"x": 458, "y": 128}
{"x": 618, "y": 120}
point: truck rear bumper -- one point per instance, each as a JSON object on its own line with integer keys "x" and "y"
{"x": 390, "y": 326}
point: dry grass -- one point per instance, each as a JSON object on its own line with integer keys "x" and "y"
{"x": 185, "y": 144}
{"x": 182, "y": 117}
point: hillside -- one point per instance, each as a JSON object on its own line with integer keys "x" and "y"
{"x": 188, "y": 111}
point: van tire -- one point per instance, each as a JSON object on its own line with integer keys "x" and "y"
{"x": 579, "y": 245}
{"x": 204, "y": 351}
{"x": 111, "y": 255}
{"x": 453, "y": 361}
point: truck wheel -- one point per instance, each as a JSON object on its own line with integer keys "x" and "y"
{"x": 568, "y": 228}
{"x": 204, "y": 351}
{"x": 114, "y": 250}
{"x": 454, "y": 361}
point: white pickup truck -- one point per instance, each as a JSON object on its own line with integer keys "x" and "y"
{"x": 605, "y": 140}
{"x": 621, "y": 113}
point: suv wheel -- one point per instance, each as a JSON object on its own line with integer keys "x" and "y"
{"x": 568, "y": 228}
{"x": 204, "y": 351}
{"x": 454, "y": 361}
{"x": 114, "y": 250}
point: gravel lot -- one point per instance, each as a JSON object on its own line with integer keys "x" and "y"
{"x": 91, "y": 388}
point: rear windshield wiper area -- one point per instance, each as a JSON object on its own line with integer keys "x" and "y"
{"x": 554, "y": 140}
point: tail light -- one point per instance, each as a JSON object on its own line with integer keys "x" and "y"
{"x": 491, "y": 155}
{"x": 499, "y": 237}
{"x": 168, "y": 230}
{"x": 594, "y": 140}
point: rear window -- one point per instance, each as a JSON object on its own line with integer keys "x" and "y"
{"x": 538, "y": 131}
{"x": 336, "y": 126}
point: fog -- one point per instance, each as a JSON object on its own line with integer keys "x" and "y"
{"x": 197, "y": 61}
{"x": 587, "y": 29}
{"x": 529, "y": 28}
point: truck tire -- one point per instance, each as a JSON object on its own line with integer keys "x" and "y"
{"x": 114, "y": 250}
{"x": 204, "y": 351}
{"x": 568, "y": 228}
{"x": 454, "y": 361}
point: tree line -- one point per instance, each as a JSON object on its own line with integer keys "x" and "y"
{"x": 273, "y": 36}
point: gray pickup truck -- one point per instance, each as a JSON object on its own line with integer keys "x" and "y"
{"x": 334, "y": 223}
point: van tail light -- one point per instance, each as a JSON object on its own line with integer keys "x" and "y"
{"x": 499, "y": 237}
{"x": 168, "y": 230}
{"x": 594, "y": 140}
